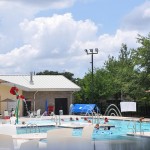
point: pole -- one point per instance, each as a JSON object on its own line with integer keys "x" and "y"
{"x": 91, "y": 51}
{"x": 92, "y": 84}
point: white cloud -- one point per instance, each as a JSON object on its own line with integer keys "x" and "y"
{"x": 57, "y": 36}
{"x": 57, "y": 42}
{"x": 138, "y": 19}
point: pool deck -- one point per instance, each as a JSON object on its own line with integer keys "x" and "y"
{"x": 140, "y": 134}
{"x": 31, "y": 136}
{"x": 75, "y": 124}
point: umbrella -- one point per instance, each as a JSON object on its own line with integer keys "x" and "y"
{"x": 7, "y": 100}
{"x": 46, "y": 106}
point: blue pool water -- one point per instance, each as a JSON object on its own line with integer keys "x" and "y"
{"x": 118, "y": 132}
{"x": 113, "y": 139}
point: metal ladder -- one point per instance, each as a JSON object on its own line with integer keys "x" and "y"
{"x": 134, "y": 126}
{"x": 33, "y": 128}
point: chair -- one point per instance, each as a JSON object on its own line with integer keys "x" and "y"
{"x": 13, "y": 120}
{"x": 31, "y": 115}
{"x": 30, "y": 145}
{"x": 6, "y": 115}
{"x": 38, "y": 113}
{"x": 6, "y": 142}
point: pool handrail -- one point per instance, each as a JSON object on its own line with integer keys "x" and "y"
{"x": 134, "y": 126}
{"x": 33, "y": 126}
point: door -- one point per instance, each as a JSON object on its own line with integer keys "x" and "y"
{"x": 26, "y": 108}
{"x": 61, "y": 104}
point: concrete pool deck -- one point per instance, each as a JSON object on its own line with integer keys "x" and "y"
{"x": 73, "y": 124}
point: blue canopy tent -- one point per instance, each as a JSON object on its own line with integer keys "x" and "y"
{"x": 84, "y": 108}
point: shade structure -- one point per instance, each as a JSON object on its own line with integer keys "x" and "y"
{"x": 8, "y": 100}
{"x": 46, "y": 106}
{"x": 84, "y": 108}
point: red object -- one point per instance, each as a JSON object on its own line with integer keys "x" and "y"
{"x": 6, "y": 117}
{"x": 50, "y": 109}
{"x": 14, "y": 90}
{"x": 21, "y": 97}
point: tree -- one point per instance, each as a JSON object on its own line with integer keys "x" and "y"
{"x": 66, "y": 74}
{"x": 121, "y": 72}
{"x": 142, "y": 63}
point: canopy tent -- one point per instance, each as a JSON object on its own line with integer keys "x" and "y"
{"x": 84, "y": 108}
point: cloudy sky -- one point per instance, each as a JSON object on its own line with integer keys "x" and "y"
{"x": 38, "y": 35}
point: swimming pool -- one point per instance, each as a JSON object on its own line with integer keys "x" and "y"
{"x": 114, "y": 139}
{"x": 118, "y": 132}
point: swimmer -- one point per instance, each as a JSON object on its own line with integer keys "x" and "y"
{"x": 89, "y": 121}
{"x": 71, "y": 119}
{"x": 85, "y": 118}
{"x": 96, "y": 126}
{"x": 106, "y": 120}
{"x": 77, "y": 118}
{"x": 141, "y": 119}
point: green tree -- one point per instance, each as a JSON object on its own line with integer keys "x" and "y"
{"x": 142, "y": 64}
{"x": 121, "y": 73}
{"x": 68, "y": 75}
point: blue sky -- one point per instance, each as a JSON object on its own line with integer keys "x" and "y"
{"x": 52, "y": 34}
{"x": 106, "y": 13}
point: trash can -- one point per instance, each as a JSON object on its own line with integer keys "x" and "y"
{"x": 60, "y": 112}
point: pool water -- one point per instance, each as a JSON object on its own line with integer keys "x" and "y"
{"x": 35, "y": 129}
{"x": 118, "y": 132}
{"x": 113, "y": 139}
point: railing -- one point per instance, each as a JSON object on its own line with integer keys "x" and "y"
{"x": 56, "y": 121}
{"x": 141, "y": 128}
{"x": 133, "y": 128}
{"x": 33, "y": 128}
{"x": 97, "y": 118}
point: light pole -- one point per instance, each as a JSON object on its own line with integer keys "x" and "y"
{"x": 92, "y": 52}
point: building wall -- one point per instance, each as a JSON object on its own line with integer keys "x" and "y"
{"x": 40, "y": 97}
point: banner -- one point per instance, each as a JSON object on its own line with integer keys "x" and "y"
{"x": 128, "y": 106}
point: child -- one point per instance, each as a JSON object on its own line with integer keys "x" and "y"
{"x": 106, "y": 120}
{"x": 96, "y": 126}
